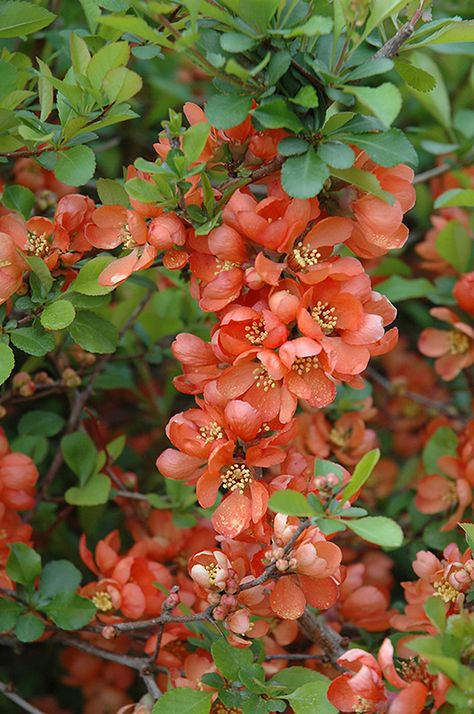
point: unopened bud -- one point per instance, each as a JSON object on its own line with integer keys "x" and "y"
{"x": 70, "y": 378}
{"x": 3, "y": 411}
{"x": 109, "y": 632}
{"x": 281, "y": 565}
{"x": 23, "y": 384}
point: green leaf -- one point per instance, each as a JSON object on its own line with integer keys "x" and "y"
{"x": 386, "y": 148}
{"x": 457, "y": 31}
{"x": 316, "y": 25}
{"x": 33, "y": 340}
{"x": 41, "y": 272}
{"x": 194, "y": 141}
{"x": 45, "y": 90}
{"x": 87, "y": 282}
{"x": 398, "y": 288}
{"x": 29, "y": 627}
{"x": 9, "y": 613}
{"x": 141, "y": 190}
{"x": 112, "y": 193}
{"x": 111, "y": 56}
{"x": 437, "y": 100}
{"x": 371, "y": 67}
{"x": 58, "y": 315}
{"x": 380, "y": 9}
{"x": 19, "y": 18}
{"x": 40, "y": 423}
{"x": 415, "y": 77}
{"x": 23, "y": 564}
{"x": 384, "y": 101}
{"x": 311, "y": 698}
{"x": 76, "y": 165}
{"x": 336, "y": 154}
{"x": 257, "y": 14}
{"x": 120, "y": 84}
{"x": 135, "y": 26}
{"x": 456, "y": 197}
{"x": 290, "y": 502}
{"x": 468, "y": 528}
{"x": 79, "y": 454}
{"x": 293, "y": 678}
{"x": 364, "y": 180}
{"x": 19, "y": 198}
{"x": 80, "y": 55}
{"x": 306, "y": 97}
{"x": 443, "y": 442}
{"x": 95, "y": 492}
{"x": 225, "y": 111}
{"x": 304, "y": 176}
{"x": 7, "y": 362}
{"x": 291, "y": 145}
{"x": 70, "y": 611}
{"x": 435, "y": 609}
{"x": 59, "y": 576}
{"x": 235, "y": 42}
{"x": 361, "y": 473}
{"x": 377, "y": 529}
{"x": 182, "y": 699}
{"x": 454, "y": 245}
{"x": 278, "y": 66}
{"x": 275, "y": 114}
{"x": 93, "y": 333}
{"x": 230, "y": 660}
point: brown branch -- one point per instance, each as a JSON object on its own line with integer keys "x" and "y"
{"x": 9, "y": 693}
{"x": 256, "y": 175}
{"x": 432, "y": 173}
{"x": 141, "y": 665}
{"x": 316, "y": 630}
{"x": 391, "y": 47}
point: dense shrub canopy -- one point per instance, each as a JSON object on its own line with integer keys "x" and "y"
{"x": 236, "y": 356}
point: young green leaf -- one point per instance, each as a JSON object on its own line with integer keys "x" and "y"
{"x": 311, "y": 698}
{"x": 18, "y": 18}
{"x": 377, "y": 529}
{"x": 386, "y": 148}
{"x": 23, "y": 564}
{"x": 442, "y": 443}
{"x": 76, "y": 165}
{"x": 384, "y": 101}
{"x": 398, "y": 288}
{"x": 9, "y": 614}
{"x": 80, "y": 454}
{"x": 456, "y": 197}
{"x": 182, "y": 699}
{"x": 87, "y": 282}
{"x": 59, "y": 576}
{"x": 93, "y": 333}
{"x": 95, "y": 492}
{"x": 29, "y": 627}
{"x": 291, "y": 502}
{"x": 435, "y": 609}
{"x": 454, "y": 244}
{"x": 58, "y": 315}
{"x": 230, "y": 660}
{"x": 70, "y": 611}
{"x": 336, "y": 154}
{"x": 38, "y": 422}
{"x": 194, "y": 141}
{"x": 20, "y": 199}
{"x": 275, "y": 114}
{"x": 227, "y": 110}
{"x": 361, "y": 473}
{"x": 364, "y": 180}
{"x": 112, "y": 193}
{"x": 304, "y": 176}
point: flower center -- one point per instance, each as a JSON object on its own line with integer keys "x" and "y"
{"x": 38, "y": 245}
{"x": 103, "y": 602}
{"x": 415, "y": 671}
{"x": 126, "y": 237}
{"x": 445, "y": 591}
{"x": 302, "y": 256}
{"x": 222, "y": 266}
{"x": 220, "y": 708}
{"x": 5, "y": 263}
{"x": 211, "y": 432}
{"x": 263, "y": 379}
{"x": 338, "y": 437}
{"x": 302, "y": 365}
{"x": 212, "y": 571}
{"x": 458, "y": 342}
{"x": 324, "y": 316}
{"x": 237, "y": 476}
{"x": 363, "y": 706}
{"x": 256, "y": 332}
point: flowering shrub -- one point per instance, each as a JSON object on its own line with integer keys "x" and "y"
{"x": 247, "y": 484}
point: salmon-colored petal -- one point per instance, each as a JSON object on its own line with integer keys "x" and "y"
{"x": 321, "y": 592}
{"x": 410, "y": 701}
{"x": 233, "y": 515}
{"x": 287, "y": 600}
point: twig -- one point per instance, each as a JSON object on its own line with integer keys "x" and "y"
{"x": 157, "y": 621}
{"x": 256, "y": 175}
{"x": 295, "y": 657}
{"x": 391, "y": 47}
{"x": 414, "y": 396}
{"x": 316, "y": 630}
{"x": 7, "y": 691}
{"x": 431, "y": 173}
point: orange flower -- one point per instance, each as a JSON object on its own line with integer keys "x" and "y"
{"x": 453, "y": 349}
{"x": 12, "y": 267}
